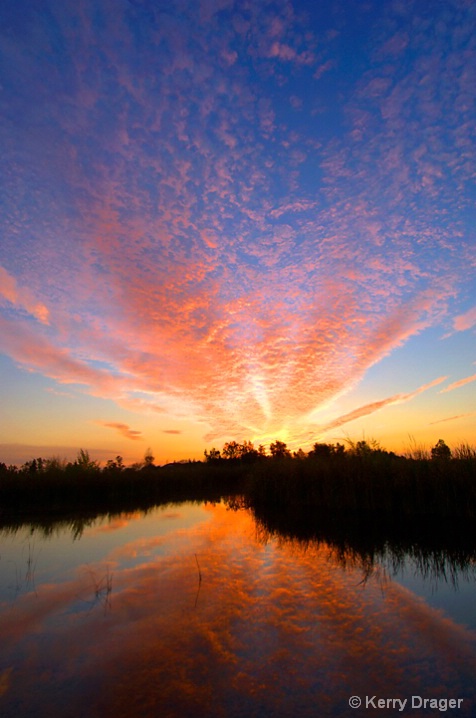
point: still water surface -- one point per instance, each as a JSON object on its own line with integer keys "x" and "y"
{"x": 192, "y": 610}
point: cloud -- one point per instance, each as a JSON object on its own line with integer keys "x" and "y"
{"x": 201, "y": 254}
{"x": 452, "y": 418}
{"x": 386, "y": 632}
{"x": 123, "y": 429}
{"x": 171, "y": 431}
{"x": 457, "y": 384}
{"x": 21, "y": 297}
{"x": 465, "y": 321}
{"x": 35, "y": 352}
{"x": 322, "y": 69}
{"x": 377, "y": 405}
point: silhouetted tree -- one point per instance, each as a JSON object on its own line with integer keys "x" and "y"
{"x": 244, "y": 451}
{"x": 248, "y": 452}
{"x": 322, "y": 451}
{"x": 363, "y": 448}
{"x": 279, "y": 450}
{"x": 231, "y": 450}
{"x": 212, "y": 455}
{"x": 149, "y": 458}
{"x": 441, "y": 451}
{"x": 84, "y": 461}
{"x": 115, "y": 465}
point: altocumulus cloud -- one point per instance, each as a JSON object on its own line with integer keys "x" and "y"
{"x": 233, "y": 249}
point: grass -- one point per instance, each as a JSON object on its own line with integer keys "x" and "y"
{"x": 360, "y": 481}
{"x": 366, "y": 504}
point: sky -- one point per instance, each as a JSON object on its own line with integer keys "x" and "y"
{"x": 232, "y": 219}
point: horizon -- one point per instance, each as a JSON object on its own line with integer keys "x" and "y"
{"x": 18, "y": 454}
{"x": 230, "y": 221}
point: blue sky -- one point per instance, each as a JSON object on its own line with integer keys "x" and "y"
{"x": 226, "y": 220}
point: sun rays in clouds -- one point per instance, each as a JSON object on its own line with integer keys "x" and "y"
{"x": 213, "y": 213}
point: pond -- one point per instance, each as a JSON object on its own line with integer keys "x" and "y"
{"x": 195, "y": 610}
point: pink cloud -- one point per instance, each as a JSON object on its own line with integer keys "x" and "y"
{"x": 458, "y": 384}
{"x": 322, "y": 69}
{"x": 452, "y": 418}
{"x": 377, "y": 405}
{"x": 21, "y": 297}
{"x": 200, "y": 274}
{"x": 465, "y": 321}
{"x": 395, "y": 45}
{"x": 286, "y": 53}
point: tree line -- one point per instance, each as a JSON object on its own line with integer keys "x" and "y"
{"x": 247, "y": 453}
{"x": 239, "y": 452}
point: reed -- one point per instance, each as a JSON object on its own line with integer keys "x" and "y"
{"x": 362, "y": 479}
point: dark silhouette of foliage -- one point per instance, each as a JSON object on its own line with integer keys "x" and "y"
{"x": 231, "y": 450}
{"x": 149, "y": 458}
{"x": 441, "y": 452}
{"x": 213, "y": 455}
{"x": 279, "y": 450}
{"x": 115, "y": 465}
{"x": 324, "y": 451}
{"x": 362, "y": 480}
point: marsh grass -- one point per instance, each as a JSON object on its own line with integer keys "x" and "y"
{"x": 378, "y": 548}
{"x": 102, "y": 590}
{"x": 378, "y": 483}
{"x": 67, "y": 493}
{"x": 369, "y": 506}
{"x": 363, "y": 481}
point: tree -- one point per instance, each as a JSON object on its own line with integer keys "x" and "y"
{"x": 279, "y": 450}
{"x": 324, "y": 451}
{"x": 115, "y": 465}
{"x": 441, "y": 451}
{"x": 212, "y": 455}
{"x": 231, "y": 450}
{"x": 321, "y": 451}
{"x": 363, "y": 447}
{"x": 149, "y": 458}
{"x": 248, "y": 452}
{"x": 84, "y": 461}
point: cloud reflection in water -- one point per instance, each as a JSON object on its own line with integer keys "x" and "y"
{"x": 275, "y": 630}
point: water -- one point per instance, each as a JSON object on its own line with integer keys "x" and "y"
{"x": 193, "y": 610}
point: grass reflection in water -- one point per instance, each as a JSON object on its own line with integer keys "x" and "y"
{"x": 283, "y": 625}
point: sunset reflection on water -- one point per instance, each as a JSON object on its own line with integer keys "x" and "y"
{"x": 271, "y": 629}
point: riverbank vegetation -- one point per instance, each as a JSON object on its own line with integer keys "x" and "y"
{"x": 357, "y": 482}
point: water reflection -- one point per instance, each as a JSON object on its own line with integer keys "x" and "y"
{"x": 438, "y": 551}
{"x": 273, "y": 628}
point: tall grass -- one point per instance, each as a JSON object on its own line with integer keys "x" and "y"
{"x": 363, "y": 479}
{"x": 369, "y": 483}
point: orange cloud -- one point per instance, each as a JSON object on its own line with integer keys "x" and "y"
{"x": 272, "y": 625}
{"x": 220, "y": 260}
{"x": 123, "y": 429}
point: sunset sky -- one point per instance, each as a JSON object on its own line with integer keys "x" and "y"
{"x": 236, "y": 219}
